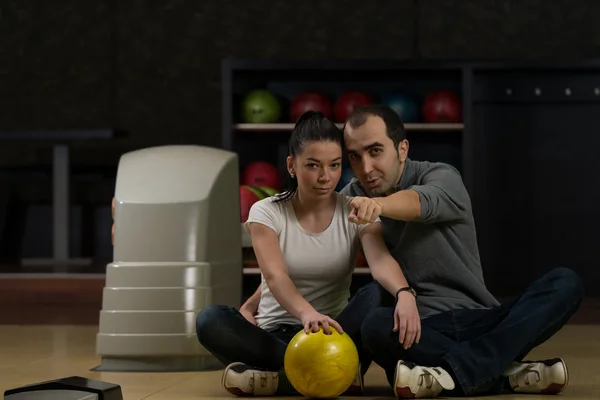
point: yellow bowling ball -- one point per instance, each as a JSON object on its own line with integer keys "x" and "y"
{"x": 320, "y": 365}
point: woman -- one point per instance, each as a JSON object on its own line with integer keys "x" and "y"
{"x": 306, "y": 249}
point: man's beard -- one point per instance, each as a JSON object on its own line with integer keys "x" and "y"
{"x": 392, "y": 189}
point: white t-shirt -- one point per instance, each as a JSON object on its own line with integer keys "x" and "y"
{"x": 319, "y": 264}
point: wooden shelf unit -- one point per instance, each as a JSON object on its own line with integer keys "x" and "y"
{"x": 268, "y": 142}
{"x": 284, "y": 127}
{"x": 524, "y": 123}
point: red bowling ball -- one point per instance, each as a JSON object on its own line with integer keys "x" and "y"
{"x": 307, "y": 101}
{"x": 347, "y": 102}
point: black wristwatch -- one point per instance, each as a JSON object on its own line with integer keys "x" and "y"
{"x": 406, "y": 289}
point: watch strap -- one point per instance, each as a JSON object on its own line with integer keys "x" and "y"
{"x": 406, "y": 289}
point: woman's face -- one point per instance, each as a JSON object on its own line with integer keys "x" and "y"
{"x": 318, "y": 168}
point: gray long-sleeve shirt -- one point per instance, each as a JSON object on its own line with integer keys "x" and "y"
{"x": 438, "y": 250}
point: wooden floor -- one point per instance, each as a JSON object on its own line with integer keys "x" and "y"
{"x": 33, "y": 353}
{"x": 48, "y": 327}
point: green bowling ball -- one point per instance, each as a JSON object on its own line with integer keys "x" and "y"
{"x": 257, "y": 192}
{"x": 262, "y": 192}
{"x": 269, "y": 191}
{"x": 260, "y": 107}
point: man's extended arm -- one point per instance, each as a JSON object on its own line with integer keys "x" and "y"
{"x": 404, "y": 205}
{"x": 442, "y": 197}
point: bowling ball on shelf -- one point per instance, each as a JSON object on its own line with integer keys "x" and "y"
{"x": 269, "y": 191}
{"x": 247, "y": 198}
{"x": 261, "y": 173}
{"x": 347, "y": 102}
{"x": 307, "y": 101}
{"x": 405, "y": 106}
{"x": 442, "y": 106}
{"x": 361, "y": 261}
{"x": 260, "y": 107}
{"x": 262, "y": 191}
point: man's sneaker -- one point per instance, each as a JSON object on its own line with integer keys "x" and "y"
{"x": 357, "y": 386}
{"x": 412, "y": 381}
{"x": 542, "y": 377}
{"x": 242, "y": 380}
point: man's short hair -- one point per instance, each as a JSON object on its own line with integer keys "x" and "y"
{"x": 393, "y": 123}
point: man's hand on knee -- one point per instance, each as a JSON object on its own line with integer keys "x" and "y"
{"x": 407, "y": 321}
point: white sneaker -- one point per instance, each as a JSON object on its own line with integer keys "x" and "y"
{"x": 242, "y": 380}
{"x": 412, "y": 381}
{"x": 542, "y": 377}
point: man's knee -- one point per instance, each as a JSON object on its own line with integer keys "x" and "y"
{"x": 376, "y": 327}
{"x": 567, "y": 282}
{"x": 209, "y": 322}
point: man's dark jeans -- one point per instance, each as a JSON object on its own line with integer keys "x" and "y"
{"x": 476, "y": 346}
{"x": 224, "y": 332}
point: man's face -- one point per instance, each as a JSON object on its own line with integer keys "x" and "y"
{"x": 376, "y": 162}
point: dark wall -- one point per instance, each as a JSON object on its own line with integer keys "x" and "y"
{"x": 153, "y": 67}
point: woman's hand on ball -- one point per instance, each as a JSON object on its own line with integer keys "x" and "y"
{"x": 312, "y": 319}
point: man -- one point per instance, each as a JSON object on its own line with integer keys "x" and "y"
{"x": 470, "y": 344}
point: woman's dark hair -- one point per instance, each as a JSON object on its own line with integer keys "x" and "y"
{"x": 312, "y": 126}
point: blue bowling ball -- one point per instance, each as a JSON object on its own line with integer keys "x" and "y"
{"x": 405, "y": 106}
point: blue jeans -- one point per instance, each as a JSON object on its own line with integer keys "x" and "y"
{"x": 476, "y": 346}
{"x": 225, "y": 332}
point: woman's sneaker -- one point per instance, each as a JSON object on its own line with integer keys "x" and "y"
{"x": 412, "y": 381}
{"x": 357, "y": 386}
{"x": 543, "y": 377}
{"x": 242, "y": 380}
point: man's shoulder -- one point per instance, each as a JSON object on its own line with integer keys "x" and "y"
{"x": 427, "y": 169}
{"x": 353, "y": 189}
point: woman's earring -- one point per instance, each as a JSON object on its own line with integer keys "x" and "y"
{"x": 292, "y": 176}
